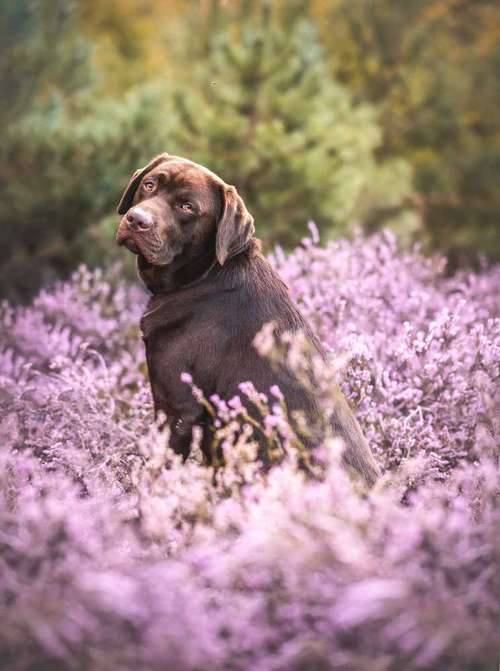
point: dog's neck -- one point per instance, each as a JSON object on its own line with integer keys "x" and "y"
{"x": 185, "y": 271}
{"x": 180, "y": 273}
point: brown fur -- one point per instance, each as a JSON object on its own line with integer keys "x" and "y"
{"x": 212, "y": 291}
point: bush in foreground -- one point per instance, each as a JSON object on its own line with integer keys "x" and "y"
{"x": 115, "y": 555}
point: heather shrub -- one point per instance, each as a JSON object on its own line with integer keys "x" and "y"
{"x": 114, "y": 554}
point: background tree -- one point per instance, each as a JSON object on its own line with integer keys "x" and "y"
{"x": 66, "y": 149}
{"x": 259, "y": 105}
{"x": 431, "y": 67}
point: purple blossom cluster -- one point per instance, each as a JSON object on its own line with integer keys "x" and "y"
{"x": 116, "y": 555}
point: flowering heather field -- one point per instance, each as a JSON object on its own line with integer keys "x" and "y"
{"x": 114, "y": 555}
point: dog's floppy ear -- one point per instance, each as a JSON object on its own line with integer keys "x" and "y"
{"x": 128, "y": 194}
{"x": 235, "y": 226}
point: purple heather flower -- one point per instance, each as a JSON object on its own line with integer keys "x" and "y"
{"x": 117, "y": 554}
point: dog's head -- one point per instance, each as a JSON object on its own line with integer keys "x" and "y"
{"x": 175, "y": 207}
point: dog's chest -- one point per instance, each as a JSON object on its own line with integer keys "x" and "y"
{"x": 187, "y": 339}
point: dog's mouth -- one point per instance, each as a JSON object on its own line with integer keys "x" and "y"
{"x": 142, "y": 249}
{"x": 124, "y": 239}
{"x": 143, "y": 257}
{"x": 131, "y": 246}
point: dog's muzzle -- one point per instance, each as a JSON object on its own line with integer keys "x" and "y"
{"x": 135, "y": 221}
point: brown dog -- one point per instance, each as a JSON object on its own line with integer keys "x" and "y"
{"x": 212, "y": 292}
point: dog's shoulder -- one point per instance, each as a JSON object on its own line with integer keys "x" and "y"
{"x": 261, "y": 296}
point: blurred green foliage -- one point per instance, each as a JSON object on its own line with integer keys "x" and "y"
{"x": 66, "y": 150}
{"x": 343, "y": 112}
{"x": 432, "y": 69}
{"x": 61, "y": 171}
{"x": 260, "y": 107}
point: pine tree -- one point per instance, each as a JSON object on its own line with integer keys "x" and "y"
{"x": 258, "y": 105}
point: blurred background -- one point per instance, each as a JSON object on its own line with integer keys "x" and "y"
{"x": 352, "y": 113}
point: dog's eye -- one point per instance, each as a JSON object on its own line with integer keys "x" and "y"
{"x": 148, "y": 186}
{"x": 185, "y": 207}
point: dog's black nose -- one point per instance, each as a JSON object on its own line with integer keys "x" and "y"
{"x": 139, "y": 220}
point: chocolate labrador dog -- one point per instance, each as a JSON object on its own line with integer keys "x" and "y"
{"x": 212, "y": 291}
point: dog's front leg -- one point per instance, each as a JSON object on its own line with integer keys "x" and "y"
{"x": 181, "y": 432}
